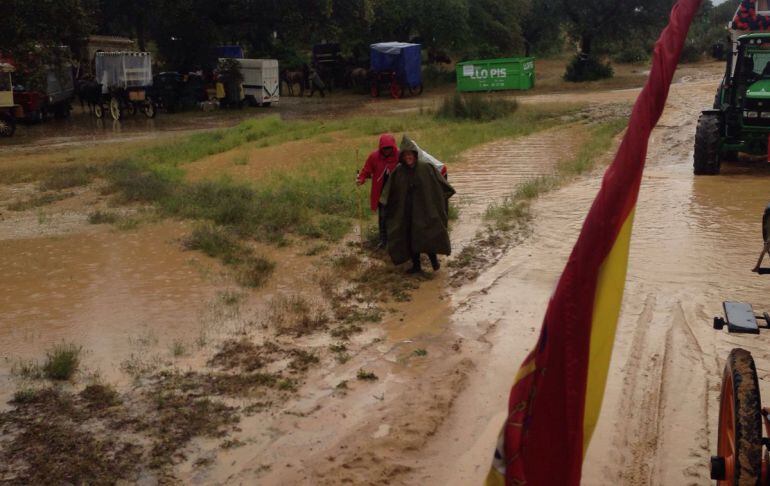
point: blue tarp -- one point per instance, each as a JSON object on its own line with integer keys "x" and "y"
{"x": 231, "y": 52}
{"x": 403, "y": 58}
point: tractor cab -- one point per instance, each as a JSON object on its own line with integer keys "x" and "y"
{"x": 7, "y": 107}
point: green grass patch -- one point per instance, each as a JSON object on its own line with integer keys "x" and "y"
{"x": 62, "y": 361}
{"x": 102, "y": 217}
{"x": 218, "y": 242}
{"x": 366, "y": 375}
{"x": 68, "y": 177}
{"x": 319, "y": 202}
{"x": 39, "y": 201}
{"x": 475, "y": 106}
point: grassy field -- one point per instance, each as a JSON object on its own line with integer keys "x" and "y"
{"x": 313, "y": 199}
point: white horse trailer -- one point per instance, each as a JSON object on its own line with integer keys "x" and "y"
{"x": 260, "y": 80}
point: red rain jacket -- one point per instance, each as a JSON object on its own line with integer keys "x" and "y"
{"x": 377, "y": 165}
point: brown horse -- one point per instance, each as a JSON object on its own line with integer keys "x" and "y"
{"x": 359, "y": 78}
{"x": 293, "y": 77}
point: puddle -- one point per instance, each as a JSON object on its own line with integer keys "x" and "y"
{"x": 97, "y": 290}
{"x": 491, "y": 172}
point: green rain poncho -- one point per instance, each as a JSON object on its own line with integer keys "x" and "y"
{"x": 415, "y": 202}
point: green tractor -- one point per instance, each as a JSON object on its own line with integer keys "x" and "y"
{"x": 740, "y": 119}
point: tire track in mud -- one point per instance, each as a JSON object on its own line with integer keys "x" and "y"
{"x": 665, "y": 383}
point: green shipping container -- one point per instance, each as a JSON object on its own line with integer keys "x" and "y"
{"x": 496, "y": 74}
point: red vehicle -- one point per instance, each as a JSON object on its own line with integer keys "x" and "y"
{"x": 50, "y": 94}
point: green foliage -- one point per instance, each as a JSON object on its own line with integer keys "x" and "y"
{"x": 62, "y": 361}
{"x": 31, "y": 32}
{"x": 707, "y": 28}
{"x": 102, "y": 217}
{"x": 587, "y": 69}
{"x": 68, "y": 177}
{"x": 475, "y": 107}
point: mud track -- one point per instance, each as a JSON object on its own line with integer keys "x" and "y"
{"x": 445, "y": 360}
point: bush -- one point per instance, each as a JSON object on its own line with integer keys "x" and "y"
{"x": 436, "y": 75}
{"x": 62, "y": 361}
{"x": 587, "y": 69}
{"x": 631, "y": 54}
{"x": 68, "y": 177}
{"x": 475, "y": 107}
{"x": 215, "y": 242}
{"x": 137, "y": 184}
{"x": 691, "y": 52}
{"x": 102, "y": 217}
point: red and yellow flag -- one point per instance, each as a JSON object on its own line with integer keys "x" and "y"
{"x": 556, "y": 396}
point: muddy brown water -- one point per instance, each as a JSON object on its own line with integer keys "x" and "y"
{"x": 489, "y": 173}
{"x": 694, "y": 241}
{"x": 98, "y": 289}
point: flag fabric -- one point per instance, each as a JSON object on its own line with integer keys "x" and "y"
{"x": 557, "y": 393}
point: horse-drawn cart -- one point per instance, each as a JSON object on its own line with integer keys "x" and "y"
{"x": 397, "y": 67}
{"x": 126, "y": 80}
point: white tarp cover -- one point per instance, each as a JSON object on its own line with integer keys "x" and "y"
{"x": 426, "y": 157}
{"x": 393, "y": 48}
{"x": 123, "y": 69}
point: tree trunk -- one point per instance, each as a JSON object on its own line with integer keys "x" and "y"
{"x": 585, "y": 44}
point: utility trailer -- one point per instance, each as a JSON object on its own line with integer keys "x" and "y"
{"x": 126, "y": 82}
{"x": 398, "y": 65}
{"x": 261, "y": 81}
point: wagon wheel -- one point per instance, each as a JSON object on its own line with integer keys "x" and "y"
{"x": 416, "y": 91}
{"x": 115, "y": 110}
{"x": 131, "y": 109}
{"x": 739, "y": 444}
{"x": 149, "y": 109}
{"x": 7, "y": 125}
{"x": 396, "y": 90}
{"x": 99, "y": 111}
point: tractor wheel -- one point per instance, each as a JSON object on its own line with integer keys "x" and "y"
{"x": 99, "y": 111}
{"x": 149, "y": 109}
{"x": 396, "y": 90}
{"x": 739, "y": 443}
{"x": 7, "y": 125}
{"x": 416, "y": 91}
{"x": 115, "y": 111}
{"x": 707, "y": 159}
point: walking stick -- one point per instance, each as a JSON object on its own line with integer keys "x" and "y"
{"x": 360, "y": 208}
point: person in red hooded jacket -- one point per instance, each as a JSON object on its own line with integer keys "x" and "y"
{"x": 378, "y": 165}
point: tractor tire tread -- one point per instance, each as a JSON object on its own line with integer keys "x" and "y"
{"x": 748, "y": 416}
{"x": 706, "y": 156}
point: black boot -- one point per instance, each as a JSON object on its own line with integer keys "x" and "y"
{"x": 416, "y": 266}
{"x": 434, "y": 261}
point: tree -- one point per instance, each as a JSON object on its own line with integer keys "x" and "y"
{"x": 33, "y": 32}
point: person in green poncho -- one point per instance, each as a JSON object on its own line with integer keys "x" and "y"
{"x": 415, "y": 197}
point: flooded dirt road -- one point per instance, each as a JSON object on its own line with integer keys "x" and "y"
{"x": 445, "y": 360}
{"x": 694, "y": 243}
